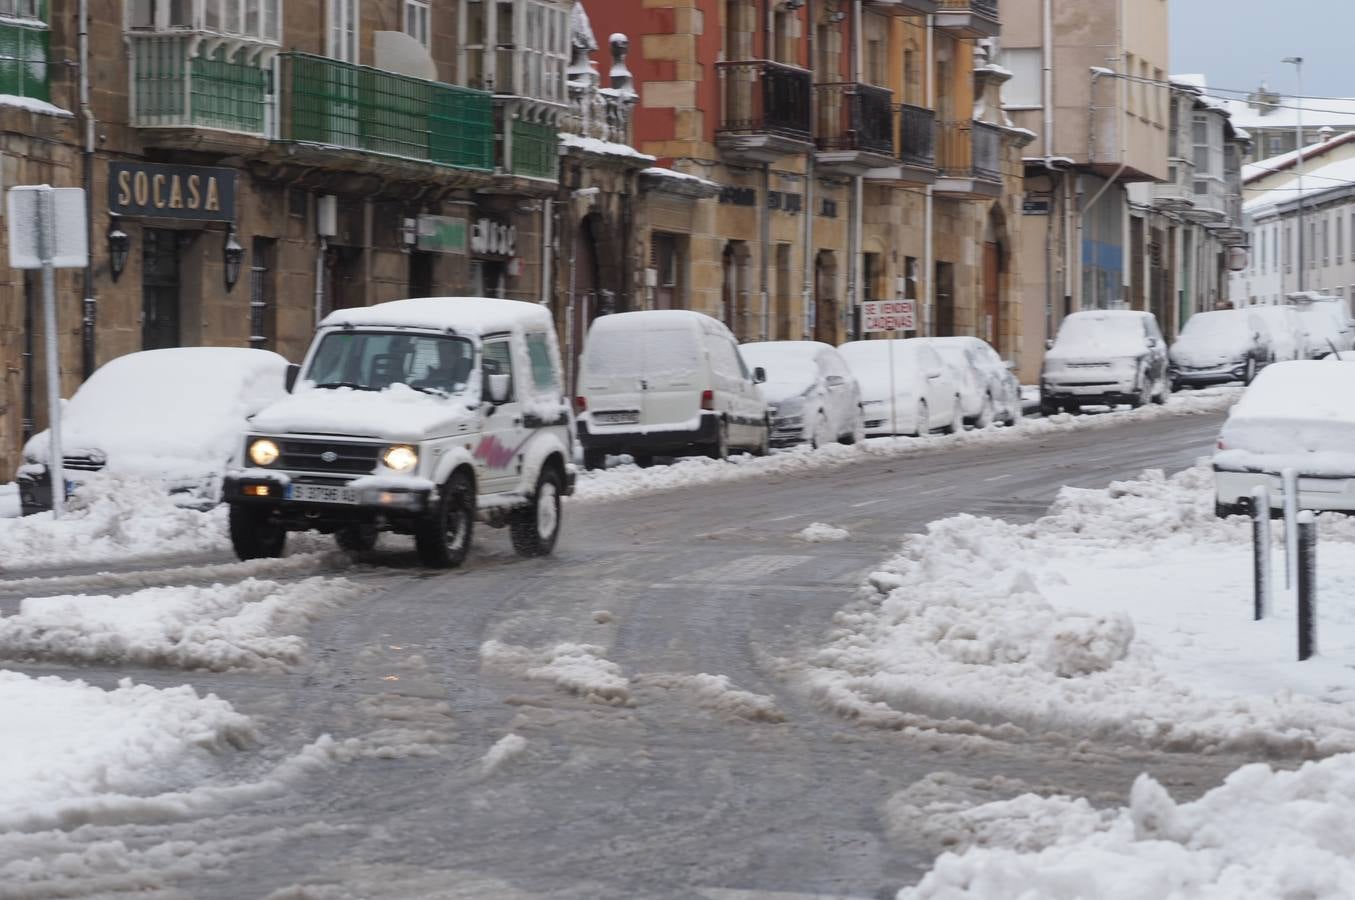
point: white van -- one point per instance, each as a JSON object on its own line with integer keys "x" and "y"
{"x": 418, "y": 417}
{"x": 668, "y": 383}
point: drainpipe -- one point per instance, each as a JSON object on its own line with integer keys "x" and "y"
{"x": 855, "y": 288}
{"x": 320, "y": 278}
{"x": 808, "y": 313}
{"x": 1048, "y": 86}
{"x": 929, "y": 197}
{"x": 547, "y": 250}
{"x": 88, "y": 359}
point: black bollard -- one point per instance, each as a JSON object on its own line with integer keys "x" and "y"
{"x": 1260, "y": 536}
{"x": 1307, "y": 582}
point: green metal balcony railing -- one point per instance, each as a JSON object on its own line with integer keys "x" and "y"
{"x": 536, "y": 149}
{"x": 24, "y": 54}
{"x": 324, "y": 101}
{"x": 172, "y": 86}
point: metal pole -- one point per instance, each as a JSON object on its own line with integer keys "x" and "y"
{"x": 46, "y": 227}
{"x": 1307, "y": 539}
{"x": 893, "y": 394}
{"x": 1290, "y": 479}
{"x": 1297, "y": 62}
{"x": 1260, "y": 518}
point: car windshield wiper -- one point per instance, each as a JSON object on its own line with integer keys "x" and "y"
{"x": 346, "y": 384}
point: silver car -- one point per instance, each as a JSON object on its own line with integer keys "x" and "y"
{"x": 813, "y": 396}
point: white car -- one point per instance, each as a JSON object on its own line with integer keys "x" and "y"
{"x": 666, "y": 382}
{"x": 419, "y": 417}
{"x": 1104, "y": 357}
{"x": 1326, "y": 325}
{"x": 1219, "y": 346}
{"x": 916, "y": 394}
{"x": 174, "y": 416}
{"x": 1300, "y": 415}
{"x": 813, "y": 396}
{"x": 1286, "y": 331}
{"x": 990, "y": 391}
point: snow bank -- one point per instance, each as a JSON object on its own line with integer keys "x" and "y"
{"x": 248, "y": 625}
{"x": 66, "y": 744}
{"x": 821, "y": 532}
{"x": 505, "y": 749}
{"x": 631, "y": 481}
{"x": 1261, "y": 835}
{"x": 576, "y": 668}
{"x": 1123, "y": 614}
{"x": 718, "y": 693}
{"x": 9, "y": 501}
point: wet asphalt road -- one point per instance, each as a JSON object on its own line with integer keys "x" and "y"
{"x": 654, "y": 795}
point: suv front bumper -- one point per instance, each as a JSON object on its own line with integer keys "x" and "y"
{"x": 345, "y": 503}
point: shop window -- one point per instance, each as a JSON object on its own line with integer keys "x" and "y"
{"x": 263, "y": 311}
{"x": 417, "y": 20}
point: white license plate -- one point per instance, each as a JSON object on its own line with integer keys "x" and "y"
{"x": 628, "y": 417}
{"x": 323, "y": 493}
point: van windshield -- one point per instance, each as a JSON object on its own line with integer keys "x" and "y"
{"x": 375, "y": 360}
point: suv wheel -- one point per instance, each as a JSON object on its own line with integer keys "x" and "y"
{"x": 535, "y": 528}
{"x": 253, "y": 535}
{"x": 443, "y": 538}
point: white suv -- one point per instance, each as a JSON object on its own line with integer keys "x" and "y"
{"x": 417, "y": 417}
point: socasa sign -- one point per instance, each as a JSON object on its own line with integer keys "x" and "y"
{"x": 152, "y": 190}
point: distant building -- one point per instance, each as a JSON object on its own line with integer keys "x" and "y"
{"x": 1272, "y": 119}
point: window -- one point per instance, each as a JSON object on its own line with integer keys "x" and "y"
{"x": 341, "y": 36}
{"x": 1132, "y": 88}
{"x": 256, "y": 19}
{"x": 544, "y": 375}
{"x": 517, "y": 48}
{"x": 263, "y": 321}
{"x": 416, "y": 20}
{"x": 497, "y": 359}
{"x": 1026, "y": 89}
{"x": 1288, "y": 248}
{"x": 25, "y": 41}
{"x": 21, "y": 9}
{"x": 1159, "y": 94}
{"x": 1326, "y": 243}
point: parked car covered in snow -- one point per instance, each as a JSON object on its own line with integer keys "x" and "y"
{"x": 173, "y": 416}
{"x": 989, "y": 389}
{"x": 1219, "y": 346}
{"x": 418, "y": 417}
{"x": 1285, "y": 330}
{"x": 813, "y": 396}
{"x": 906, "y": 388}
{"x": 1104, "y": 357}
{"x": 666, "y": 382}
{"x": 1298, "y": 414}
{"x": 1325, "y": 323}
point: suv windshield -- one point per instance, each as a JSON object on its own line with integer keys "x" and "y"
{"x": 375, "y": 360}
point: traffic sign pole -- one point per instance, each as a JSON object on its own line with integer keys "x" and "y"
{"x": 46, "y": 232}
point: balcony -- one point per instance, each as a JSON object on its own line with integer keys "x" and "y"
{"x": 969, "y": 18}
{"x": 765, "y": 111}
{"x": 325, "y": 104}
{"x": 902, "y": 7}
{"x": 855, "y": 130}
{"x": 915, "y": 148}
{"x": 1211, "y": 200}
{"x": 969, "y": 160}
{"x": 1177, "y": 192}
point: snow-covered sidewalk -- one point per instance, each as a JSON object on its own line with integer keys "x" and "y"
{"x": 1123, "y": 614}
{"x": 9, "y": 501}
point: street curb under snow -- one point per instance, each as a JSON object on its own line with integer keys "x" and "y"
{"x": 631, "y": 481}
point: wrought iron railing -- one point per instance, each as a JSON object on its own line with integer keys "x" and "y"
{"x": 854, "y": 117}
{"x": 173, "y": 85}
{"x": 324, "y": 101}
{"x": 970, "y": 150}
{"x": 917, "y": 136}
{"x": 985, "y": 8}
{"x": 599, "y": 113}
{"x": 24, "y": 51}
{"x": 762, "y": 97}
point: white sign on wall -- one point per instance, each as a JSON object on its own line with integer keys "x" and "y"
{"x": 69, "y": 249}
{"x": 888, "y": 315}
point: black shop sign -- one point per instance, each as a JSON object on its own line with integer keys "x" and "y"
{"x": 152, "y": 190}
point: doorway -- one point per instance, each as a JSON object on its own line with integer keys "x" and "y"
{"x": 991, "y": 324}
{"x": 160, "y": 313}
{"x": 825, "y": 297}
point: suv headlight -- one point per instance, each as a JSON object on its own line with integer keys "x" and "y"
{"x": 263, "y": 452}
{"x": 400, "y": 458}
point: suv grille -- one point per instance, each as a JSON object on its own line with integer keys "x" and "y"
{"x": 82, "y": 463}
{"x": 358, "y": 459}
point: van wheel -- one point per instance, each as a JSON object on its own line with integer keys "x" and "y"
{"x": 443, "y": 537}
{"x": 535, "y": 528}
{"x": 594, "y": 459}
{"x": 356, "y": 538}
{"x": 720, "y": 449}
{"x": 252, "y": 534}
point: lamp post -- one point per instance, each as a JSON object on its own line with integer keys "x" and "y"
{"x": 1297, "y": 62}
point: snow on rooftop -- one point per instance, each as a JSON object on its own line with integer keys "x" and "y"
{"x": 1316, "y": 112}
{"x": 601, "y": 147}
{"x": 34, "y": 105}
{"x": 1317, "y": 180}
{"x": 662, "y": 172}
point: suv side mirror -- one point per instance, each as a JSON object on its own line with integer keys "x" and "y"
{"x": 759, "y": 375}
{"x": 289, "y": 380}
{"x": 499, "y": 388}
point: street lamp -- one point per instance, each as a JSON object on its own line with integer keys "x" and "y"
{"x": 1297, "y": 62}
{"x": 118, "y": 245}
{"x": 233, "y": 255}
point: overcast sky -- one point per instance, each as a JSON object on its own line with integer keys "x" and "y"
{"x": 1239, "y": 43}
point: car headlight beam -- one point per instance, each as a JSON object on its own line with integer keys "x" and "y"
{"x": 263, "y": 452}
{"x": 400, "y": 458}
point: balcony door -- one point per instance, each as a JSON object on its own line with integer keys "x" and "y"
{"x": 160, "y": 314}
{"x": 342, "y": 30}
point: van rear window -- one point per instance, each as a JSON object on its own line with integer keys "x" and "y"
{"x": 643, "y": 353}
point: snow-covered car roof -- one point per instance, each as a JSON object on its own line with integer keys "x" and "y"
{"x": 1304, "y": 389}
{"x": 648, "y": 319}
{"x": 464, "y": 315}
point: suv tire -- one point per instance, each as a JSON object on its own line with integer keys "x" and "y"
{"x": 252, "y": 534}
{"x": 535, "y": 528}
{"x": 443, "y": 538}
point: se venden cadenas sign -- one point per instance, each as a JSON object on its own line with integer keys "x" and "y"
{"x": 152, "y": 190}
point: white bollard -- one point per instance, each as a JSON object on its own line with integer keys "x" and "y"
{"x": 1290, "y": 478}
